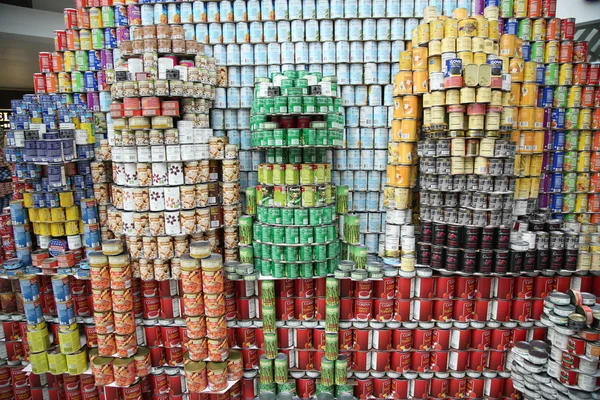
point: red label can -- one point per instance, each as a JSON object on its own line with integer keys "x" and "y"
{"x": 363, "y": 289}
{"x": 305, "y": 360}
{"x": 304, "y": 288}
{"x": 405, "y": 288}
{"x": 403, "y": 309}
{"x": 458, "y": 360}
{"x": 383, "y": 309}
{"x": 346, "y": 308}
{"x": 420, "y": 361}
{"x": 463, "y": 310}
{"x": 460, "y": 339}
{"x": 457, "y": 387}
{"x": 382, "y": 339}
{"x": 170, "y": 336}
{"x": 465, "y": 287}
{"x": 305, "y": 309}
{"x": 284, "y": 288}
{"x": 475, "y": 387}
{"x": 402, "y": 339}
{"x": 543, "y": 285}
{"x": 478, "y": 360}
{"x": 424, "y": 287}
{"x": 481, "y": 310}
{"x": 439, "y": 361}
{"x": 521, "y": 310}
{"x": 364, "y": 389}
{"x": 400, "y": 361}
{"x": 284, "y": 307}
{"x": 496, "y": 360}
{"x": 481, "y": 339}
{"x": 423, "y": 309}
{"x": 362, "y": 361}
{"x": 363, "y": 339}
{"x": 399, "y": 389}
{"x": 441, "y": 339}
{"x": 483, "y": 287}
{"x": 422, "y": 339}
{"x": 501, "y": 310}
{"x": 444, "y": 287}
{"x": 385, "y": 288}
{"x": 524, "y": 287}
{"x": 419, "y": 388}
{"x": 363, "y": 309}
{"x": 438, "y": 388}
{"x": 382, "y": 387}
{"x": 442, "y": 310}
{"x": 345, "y": 339}
{"x": 503, "y": 287}
{"x": 151, "y": 307}
{"x": 303, "y": 338}
{"x": 380, "y": 360}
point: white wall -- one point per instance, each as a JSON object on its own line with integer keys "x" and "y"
{"x": 583, "y": 11}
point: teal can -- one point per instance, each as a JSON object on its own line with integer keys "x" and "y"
{"x": 321, "y": 155}
{"x": 281, "y": 105}
{"x": 262, "y": 213}
{"x": 321, "y": 137}
{"x": 277, "y": 253}
{"x": 306, "y": 270}
{"x": 266, "y": 267}
{"x": 333, "y": 249}
{"x": 292, "y": 235}
{"x": 337, "y": 107}
{"x": 257, "y": 231}
{"x": 279, "y": 137}
{"x": 278, "y": 269}
{"x": 293, "y": 137}
{"x": 295, "y": 155}
{"x": 309, "y": 104}
{"x": 270, "y": 156}
{"x": 301, "y": 216}
{"x": 320, "y": 252}
{"x": 306, "y": 235}
{"x": 292, "y": 271}
{"x": 278, "y": 235}
{"x": 316, "y": 216}
{"x": 331, "y": 232}
{"x": 320, "y": 234}
{"x": 306, "y": 253}
{"x": 321, "y": 268}
{"x": 269, "y": 105}
{"x": 266, "y": 251}
{"x": 257, "y": 249}
{"x": 285, "y": 84}
{"x": 274, "y": 216}
{"x": 258, "y": 265}
{"x": 328, "y": 215}
{"x": 281, "y": 156}
{"x": 308, "y": 136}
{"x": 287, "y": 216}
{"x": 266, "y": 234}
{"x": 333, "y": 264}
{"x": 291, "y": 254}
{"x": 309, "y": 155}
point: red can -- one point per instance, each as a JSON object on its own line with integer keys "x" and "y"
{"x": 284, "y": 307}
{"x": 483, "y": 287}
{"x": 174, "y": 355}
{"x": 457, "y": 387}
{"x": 363, "y": 309}
{"x": 320, "y": 284}
{"x": 465, "y": 287}
{"x": 363, "y": 339}
{"x": 363, "y": 389}
{"x": 475, "y": 387}
{"x": 566, "y": 52}
{"x": 362, "y": 360}
{"x": 543, "y": 285}
{"x": 594, "y": 74}
{"x": 420, "y": 361}
{"x": 400, "y": 361}
{"x": 134, "y": 392}
{"x": 345, "y": 338}
{"x": 284, "y": 288}
{"x": 423, "y": 309}
{"x": 580, "y": 72}
{"x": 170, "y": 336}
{"x": 463, "y": 310}
{"x": 382, "y": 339}
{"x": 383, "y": 309}
{"x": 249, "y": 358}
{"x": 444, "y": 287}
{"x": 152, "y": 307}
{"x": 303, "y": 338}
{"x": 501, "y": 310}
{"x": 537, "y": 309}
{"x": 284, "y": 338}
{"x": 424, "y": 287}
{"x": 45, "y": 61}
{"x": 478, "y": 360}
{"x": 458, "y": 360}
{"x": 442, "y": 310}
{"x": 524, "y": 287}
{"x": 481, "y": 339}
{"x": 403, "y": 309}
{"x": 422, "y": 339}
{"x": 305, "y": 309}
{"x": 582, "y": 283}
{"x": 576, "y": 346}
{"x": 346, "y": 288}
{"x": 402, "y": 339}
{"x": 346, "y": 308}
{"x": 320, "y": 308}
{"x": 385, "y": 288}
{"x": 304, "y": 288}
{"x": 440, "y": 339}
{"x": 496, "y": 360}
{"x": 521, "y": 310}
{"x": 419, "y": 388}
{"x": 568, "y": 377}
{"x": 460, "y": 339}
{"x": 60, "y": 40}
{"x": 567, "y": 28}
{"x": 481, "y": 310}
{"x": 548, "y": 8}
{"x": 503, "y": 287}
{"x": 519, "y": 334}
{"x": 305, "y": 360}
{"x": 159, "y": 382}
{"x": 399, "y": 389}
{"x": 319, "y": 339}
{"x": 363, "y": 289}
{"x": 438, "y": 388}
{"x": 500, "y": 338}
{"x": 439, "y": 361}
{"x": 382, "y": 387}
{"x": 380, "y": 360}
{"x": 405, "y": 288}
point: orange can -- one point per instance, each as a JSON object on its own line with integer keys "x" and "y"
{"x": 553, "y": 29}
{"x": 515, "y": 94}
{"x": 595, "y": 145}
{"x": 390, "y": 175}
{"x": 507, "y": 45}
{"x": 594, "y": 182}
{"x": 538, "y": 119}
{"x": 408, "y": 130}
{"x": 57, "y": 61}
{"x": 529, "y": 71}
{"x": 595, "y": 161}
{"x": 410, "y": 107}
{"x": 419, "y": 58}
{"x": 587, "y": 96}
{"x": 527, "y": 142}
{"x": 594, "y": 202}
{"x": 398, "y": 109}
{"x": 566, "y": 52}
{"x": 596, "y": 119}
{"x": 420, "y": 82}
{"x": 407, "y": 153}
{"x": 406, "y": 61}
{"x": 396, "y": 129}
{"x": 516, "y": 67}
{"x": 125, "y": 322}
{"x": 51, "y": 83}
{"x": 526, "y": 117}
{"x": 403, "y": 83}
{"x": 102, "y": 299}
{"x": 405, "y": 176}
{"x": 106, "y": 344}
{"x": 529, "y": 94}
{"x": 122, "y": 300}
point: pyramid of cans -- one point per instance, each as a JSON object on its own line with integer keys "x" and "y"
{"x": 353, "y": 40}
{"x": 566, "y": 363}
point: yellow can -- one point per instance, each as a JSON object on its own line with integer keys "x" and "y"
{"x": 436, "y": 29}
{"x": 494, "y": 29}
{"x": 466, "y": 57}
{"x": 66, "y": 199}
{"x": 535, "y": 168}
{"x": 529, "y": 94}
{"x": 407, "y": 153}
{"x": 523, "y": 188}
{"x": 72, "y": 213}
{"x": 32, "y": 213}
{"x": 420, "y": 82}
{"x": 435, "y": 48}
{"x": 57, "y": 229}
{"x": 43, "y": 229}
{"x": 410, "y": 106}
{"x": 27, "y": 199}
{"x": 438, "y": 99}
{"x": 453, "y": 97}
{"x": 490, "y": 47}
{"x": 57, "y": 214}
{"x": 449, "y": 45}
{"x": 585, "y": 118}
{"x": 396, "y": 129}
{"x": 406, "y": 60}
{"x": 69, "y": 339}
{"x": 57, "y": 362}
{"x": 516, "y": 69}
{"x": 435, "y": 64}
{"x": 467, "y": 95}
{"x": 38, "y": 339}
{"x": 460, "y": 13}
{"x": 451, "y": 28}
{"x": 520, "y": 8}
{"x": 552, "y": 51}
{"x": 538, "y": 118}
{"x": 398, "y": 111}
{"x": 467, "y": 27}
{"x": 43, "y": 215}
{"x": 423, "y": 33}
{"x": 72, "y": 228}
{"x": 39, "y": 362}
{"x": 583, "y": 162}
{"x": 581, "y": 202}
{"x": 477, "y": 44}
{"x": 535, "y": 188}
{"x": 405, "y": 176}
{"x": 529, "y": 71}
{"x": 479, "y": 58}
{"x": 464, "y": 44}
{"x": 584, "y": 142}
{"x": 419, "y": 58}
{"x": 403, "y": 83}
{"x": 77, "y": 362}
{"x": 483, "y": 27}
{"x": 507, "y": 45}
{"x": 392, "y": 152}
{"x": 515, "y": 94}
{"x": 565, "y": 74}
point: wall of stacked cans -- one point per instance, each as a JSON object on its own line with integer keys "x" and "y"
{"x": 154, "y": 127}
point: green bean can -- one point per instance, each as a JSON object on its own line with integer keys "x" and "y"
{"x": 268, "y": 139}
{"x": 309, "y": 104}
{"x": 333, "y": 264}
{"x": 270, "y": 345}
{"x": 331, "y": 346}
{"x": 287, "y": 216}
{"x": 321, "y": 389}
{"x": 291, "y": 254}
{"x": 279, "y": 137}
{"x": 292, "y": 235}
{"x": 332, "y": 293}
{"x": 327, "y": 369}
{"x": 308, "y": 136}
{"x": 293, "y": 137}
{"x": 321, "y": 155}
{"x": 360, "y": 256}
{"x": 320, "y": 252}
{"x": 295, "y": 155}
{"x": 281, "y": 105}
{"x": 320, "y": 234}
{"x": 281, "y": 368}
{"x": 274, "y": 216}
{"x": 352, "y": 228}
{"x": 268, "y": 319}
{"x": 291, "y": 271}
{"x": 328, "y": 215}
{"x": 295, "y": 104}
{"x": 321, "y": 137}
{"x": 301, "y": 216}
{"x": 292, "y": 174}
{"x": 278, "y": 234}
{"x": 278, "y": 269}
{"x": 306, "y": 235}
{"x": 266, "y": 267}
{"x": 266, "y": 234}
{"x": 267, "y": 290}
{"x": 245, "y": 229}
{"x": 331, "y": 232}
{"x": 246, "y": 254}
{"x": 316, "y": 216}
{"x": 309, "y": 196}
{"x": 287, "y": 387}
{"x": 294, "y": 196}
{"x": 332, "y": 318}
{"x": 267, "y": 372}
{"x": 341, "y": 370}
{"x": 322, "y": 104}
{"x": 320, "y": 268}
{"x": 267, "y": 391}
{"x": 342, "y": 199}
{"x": 263, "y": 214}
{"x": 306, "y": 253}
{"x": 277, "y": 253}
{"x": 306, "y": 270}
{"x": 251, "y": 201}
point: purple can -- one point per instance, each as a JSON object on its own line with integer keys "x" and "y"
{"x": 106, "y": 59}
{"x": 102, "y": 84}
{"x": 93, "y": 101}
{"x": 545, "y": 182}
{"x": 123, "y": 34}
{"x": 134, "y": 15}
{"x": 478, "y": 6}
{"x": 548, "y": 140}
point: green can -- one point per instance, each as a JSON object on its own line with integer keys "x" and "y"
{"x": 569, "y": 182}
{"x": 321, "y": 137}
{"x": 331, "y": 346}
{"x": 571, "y": 117}
{"x": 359, "y": 256}
{"x": 328, "y": 215}
{"x": 269, "y": 105}
{"x": 270, "y": 155}
{"x": 301, "y": 216}
{"x": 267, "y": 234}
{"x": 266, "y": 267}
{"x": 267, "y": 372}
{"x": 97, "y": 39}
{"x": 561, "y": 96}
{"x": 506, "y": 8}
{"x": 279, "y": 137}
{"x": 316, "y": 216}
{"x": 322, "y": 104}
{"x": 278, "y": 269}
{"x": 293, "y": 137}
{"x": 281, "y": 156}
{"x": 332, "y": 232}
{"x": 274, "y": 216}
{"x": 291, "y": 271}
{"x": 256, "y": 249}
{"x": 537, "y": 52}
{"x": 288, "y": 387}
{"x": 320, "y": 252}
{"x": 320, "y": 234}
{"x": 257, "y": 231}
{"x": 245, "y": 229}
{"x": 570, "y": 217}
{"x": 341, "y": 370}
{"x": 309, "y": 155}
{"x": 333, "y": 249}
{"x": 280, "y": 105}
{"x": 524, "y": 29}
{"x": 320, "y": 268}
{"x": 307, "y": 174}
{"x": 292, "y": 174}
{"x": 569, "y": 200}
{"x": 295, "y": 155}
{"x": 267, "y": 289}
{"x": 295, "y": 104}
{"x": 306, "y": 235}
{"x": 326, "y": 390}
{"x": 352, "y": 228}
{"x": 570, "y": 161}
{"x": 551, "y": 74}
{"x": 327, "y": 370}
{"x": 308, "y": 136}
{"x": 287, "y": 216}
{"x": 285, "y": 84}
{"x": 333, "y": 264}
{"x": 306, "y": 270}
{"x": 344, "y": 389}
{"x": 281, "y": 368}
{"x": 81, "y": 60}
{"x": 265, "y": 251}
{"x": 277, "y": 253}
{"x": 306, "y": 253}
{"x": 571, "y": 140}
{"x": 292, "y": 235}
{"x": 263, "y": 213}
{"x": 258, "y": 265}
{"x": 280, "y": 197}
{"x": 246, "y": 255}
{"x": 294, "y": 196}
{"x": 251, "y": 200}
{"x": 291, "y": 255}
{"x": 309, "y": 104}
{"x": 268, "y": 139}
{"x": 266, "y": 390}
{"x": 270, "y": 345}
{"x": 268, "y": 319}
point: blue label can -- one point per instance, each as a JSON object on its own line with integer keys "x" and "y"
{"x": 558, "y": 118}
{"x": 557, "y": 162}
{"x": 30, "y": 288}
{"x": 61, "y": 287}
{"x": 558, "y": 142}
{"x": 556, "y": 182}
{"x": 33, "y": 312}
{"x": 66, "y": 312}
{"x": 556, "y": 203}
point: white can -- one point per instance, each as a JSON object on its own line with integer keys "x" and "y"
{"x": 397, "y": 47}
{"x": 356, "y": 74}
{"x": 329, "y": 53}
{"x": 369, "y": 30}
{"x": 352, "y": 114}
{"x": 365, "y": 8}
{"x": 312, "y": 30}
{"x": 370, "y": 75}
{"x": 315, "y": 53}
{"x": 243, "y": 117}
{"x": 384, "y": 75}
{"x": 309, "y": 9}
{"x": 380, "y": 160}
{"x": 348, "y": 95}
{"x": 397, "y": 29}
{"x": 267, "y": 10}
{"x": 229, "y": 30}
{"x": 287, "y": 53}
{"x": 353, "y": 138}
{"x": 253, "y": 10}
{"x": 246, "y": 55}
{"x": 355, "y": 30}
{"x": 407, "y": 9}
{"x": 328, "y": 70}
{"x": 342, "y": 52}
{"x": 343, "y": 74}
{"x": 375, "y": 95}
{"x": 361, "y": 95}
{"x": 261, "y": 71}
{"x": 383, "y": 29}
{"x": 340, "y": 159}
{"x": 356, "y": 52}
{"x": 233, "y": 54}
{"x": 273, "y": 69}
{"x": 233, "y": 98}
{"x": 256, "y": 32}
{"x": 388, "y": 95}
{"x": 295, "y": 9}
{"x": 281, "y": 9}
{"x": 366, "y": 116}
{"x": 220, "y": 54}
{"x": 379, "y": 10}
{"x": 326, "y": 30}
{"x": 212, "y": 12}
{"x": 420, "y": 6}
{"x": 297, "y": 31}
{"x": 384, "y": 51}
{"x": 380, "y": 116}
{"x": 270, "y": 32}
{"x": 370, "y": 51}
{"x": 301, "y": 53}
{"x": 284, "y": 32}
{"x": 323, "y": 9}
{"x": 215, "y": 33}
{"x": 74, "y": 242}
{"x": 226, "y": 11}
{"x": 409, "y": 25}
{"x": 242, "y": 32}
{"x": 239, "y": 10}
{"x": 341, "y": 30}
{"x": 260, "y": 54}
{"x": 337, "y": 9}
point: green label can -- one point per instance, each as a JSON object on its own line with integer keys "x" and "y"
{"x": 263, "y": 213}
{"x": 280, "y": 196}
{"x": 301, "y": 216}
{"x": 309, "y": 196}
{"x": 333, "y": 264}
{"x": 331, "y": 346}
{"x": 328, "y": 215}
{"x": 295, "y": 155}
{"x": 292, "y": 235}
{"x": 306, "y": 235}
{"x": 352, "y": 228}
{"x": 327, "y": 370}
{"x": 332, "y": 232}
{"x": 257, "y": 250}
{"x": 309, "y": 104}
{"x": 306, "y": 253}
{"x": 320, "y": 252}
{"x": 281, "y": 105}
{"x": 341, "y": 370}
{"x": 281, "y": 368}
{"x": 291, "y": 255}
{"x": 308, "y": 136}
{"x": 267, "y": 234}
{"x": 306, "y": 270}
{"x": 321, "y": 268}
{"x": 323, "y": 104}
{"x": 274, "y": 216}
{"x": 321, "y": 137}
{"x": 266, "y": 251}
{"x": 307, "y": 174}
{"x": 246, "y": 255}
{"x": 279, "y": 235}
{"x": 266, "y": 267}
{"x": 267, "y": 373}
{"x": 320, "y": 234}
{"x": 278, "y": 269}
{"x": 278, "y": 174}
{"x": 291, "y": 271}
{"x": 358, "y": 254}
{"x": 269, "y": 107}
{"x": 251, "y": 201}
{"x": 270, "y": 342}
{"x": 292, "y": 174}
{"x": 295, "y": 104}
{"x": 277, "y": 253}
{"x": 333, "y": 249}
{"x": 287, "y": 216}
{"x": 245, "y": 229}
{"x": 279, "y": 137}
{"x": 268, "y": 139}
{"x": 293, "y": 137}
{"x": 294, "y": 197}
{"x": 309, "y": 155}
{"x": 316, "y": 216}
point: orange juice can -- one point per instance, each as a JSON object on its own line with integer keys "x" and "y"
{"x": 405, "y": 176}
{"x": 403, "y": 83}
{"x": 396, "y": 129}
{"x": 419, "y": 58}
{"x": 410, "y": 106}
{"x": 420, "y": 82}
{"x": 529, "y": 94}
{"x": 408, "y": 130}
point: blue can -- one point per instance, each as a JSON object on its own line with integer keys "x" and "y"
{"x": 33, "y": 312}
{"x": 91, "y": 81}
{"x": 79, "y": 181}
{"x": 512, "y": 26}
{"x": 558, "y": 118}
{"x": 30, "y": 289}
{"x": 17, "y": 212}
{"x": 121, "y": 16}
{"x": 540, "y": 72}
{"x": 24, "y": 255}
{"x": 492, "y": 3}
{"x": 110, "y": 38}
{"x": 89, "y": 192}
{"x": 546, "y": 97}
{"x": 556, "y": 182}
{"x": 22, "y": 236}
{"x": 558, "y": 142}
{"x": 526, "y": 51}
{"x": 89, "y": 182}
{"x": 78, "y": 195}
{"x": 91, "y": 235}
{"x": 556, "y": 203}
{"x": 557, "y": 163}
{"x": 66, "y": 312}
{"x": 454, "y": 67}
{"x": 94, "y": 60}
{"x": 52, "y": 199}
{"x": 61, "y": 287}
{"x": 84, "y": 167}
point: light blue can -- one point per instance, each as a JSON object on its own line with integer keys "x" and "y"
{"x": 61, "y": 287}
{"x": 245, "y": 160}
{"x": 189, "y": 31}
{"x": 65, "y": 312}
{"x": 370, "y": 51}
{"x": 247, "y": 74}
{"x": 340, "y": 30}
{"x": 365, "y": 8}
{"x": 202, "y": 33}
{"x": 147, "y": 14}
{"x": 247, "y": 56}
{"x": 380, "y": 116}
{"x": 295, "y": 9}
{"x": 397, "y": 29}
{"x": 284, "y": 31}
{"x": 239, "y": 10}
{"x": 384, "y": 74}
{"x": 246, "y": 96}
{"x": 336, "y": 178}
{"x": 253, "y": 7}
{"x": 174, "y": 13}
{"x": 243, "y": 117}
{"x": 273, "y": 54}
{"x": 199, "y": 11}
{"x": 356, "y": 74}
{"x": 311, "y": 30}
{"x": 17, "y": 212}
{"x": 33, "y": 312}
{"x": 30, "y": 288}
{"x": 187, "y": 13}
{"x": 366, "y": 138}
{"x": 392, "y": 9}
{"x": 374, "y": 181}
{"x": 213, "y": 12}
{"x": 352, "y": 117}
{"x": 449, "y": 6}
{"x": 288, "y": 53}
{"x": 360, "y": 180}
{"x": 366, "y": 160}
{"x": 329, "y": 52}
{"x": 233, "y": 54}
{"x": 329, "y": 70}
{"x": 234, "y": 77}
{"x": 246, "y": 139}
{"x": 22, "y": 236}
{"x": 326, "y": 30}
{"x": 372, "y": 201}
{"x": 267, "y": 9}
{"x": 252, "y": 178}
{"x": 281, "y": 9}
{"x": 347, "y": 179}
{"x": 301, "y": 49}
{"x": 353, "y": 159}
{"x": 388, "y": 95}
{"x": 270, "y": 31}
{"x": 315, "y": 53}
{"x": 343, "y": 74}
{"x": 360, "y": 203}
{"x": 409, "y": 25}
{"x": 229, "y": 117}
{"x": 225, "y": 10}
{"x": 380, "y": 163}
{"x": 361, "y": 94}
{"x": 356, "y": 52}
{"x": 242, "y": 32}
{"x": 353, "y": 138}
{"x": 91, "y": 236}
{"x": 397, "y": 46}
{"x": 256, "y": 32}
{"x": 369, "y": 29}
{"x": 309, "y": 9}
{"x": 372, "y": 243}
{"x": 215, "y": 33}
{"x": 340, "y": 159}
